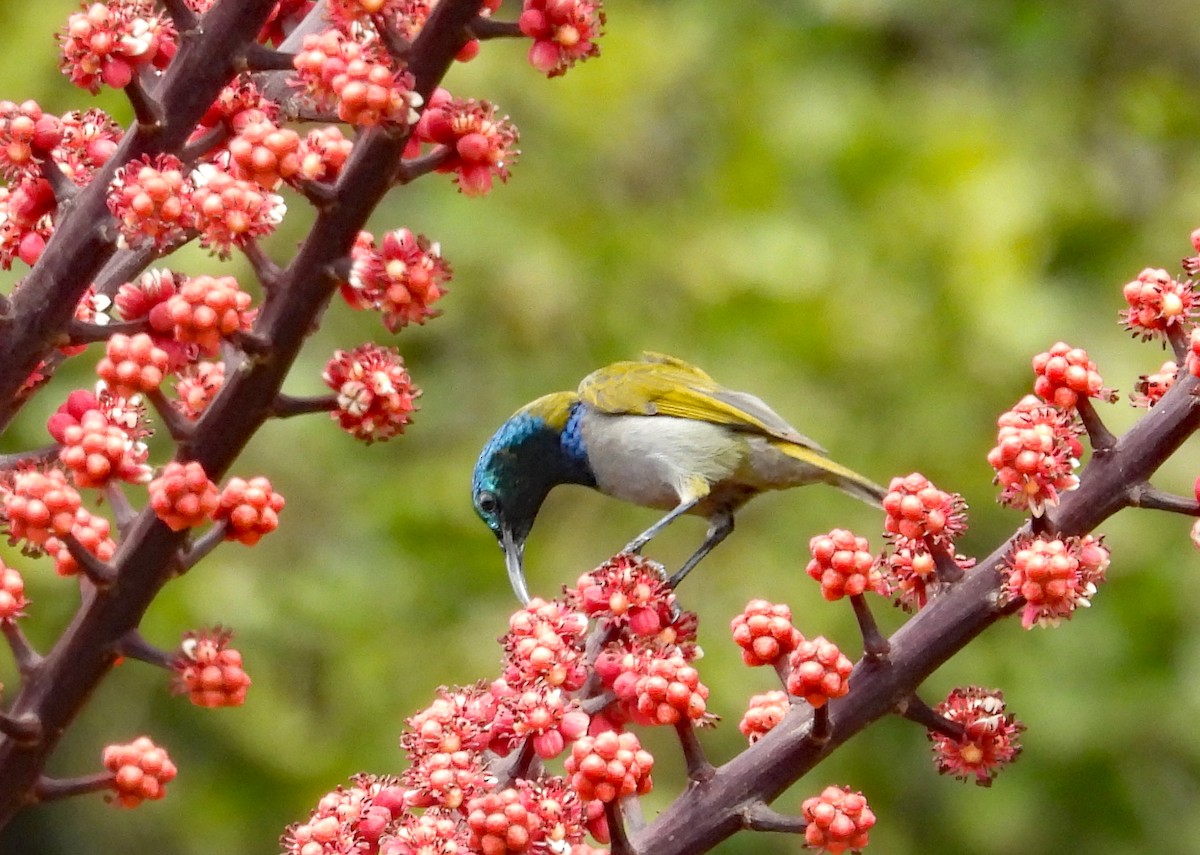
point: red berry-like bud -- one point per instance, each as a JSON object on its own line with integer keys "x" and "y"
{"x": 764, "y": 712}
{"x": 12, "y": 594}
{"x": 843, "y": 565}
{"x": 765, "y": 633}
{"x": 250, "y": 509}
{"x": 609, "y": 766}
{"x": 838, "y": 819}
{"x": 132, "y": 364}
{"x": 818, "y": 671}
{"x": 183, "y": 496}
{"x": 140, "y": 769}
{"x": 210, "y": 671}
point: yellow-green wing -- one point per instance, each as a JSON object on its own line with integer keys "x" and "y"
{"x": 660, "y": 385}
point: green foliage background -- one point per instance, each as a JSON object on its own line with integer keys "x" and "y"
{"x": 870, "y": 213}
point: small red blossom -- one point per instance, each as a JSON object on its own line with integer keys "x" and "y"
{"x": 108, "y": 43}
{"x": 1037, "y": 450}
{"x": 336, "y": 71}
{"x": 265, "y": 153}
{"x": 195, "y": 387}
{"x": 919, "y": 512}
{"x": 1064, "y": 373}
{"x": 238, "y": 104}
{"x": 446, "y": 779}
{"x": 1157, "y": 304}
{"x": 210, "y": 671}
{"x": 844, "y": 566}
{"x": 204, "y": 310}
{"x": 818, "y": 671}
{"x": 89, "y": 139}
{"x": 548, "y": 717}
{"x": 141, "y": 770}
{"x": 137, "y": 298}
{"x": 545, "y": 642}
{"x": 322, "y": 154}
{"x": 990, "y": 738}
{"x": 96, "y": 451}
{"x": 132, "y": 364}
{"x": 911, "y": 575}
{"x": 627, "y": 590}
{"x": 434, "y": 832}
{"x": 478, "y": 146}
{"x": 375, "y": 394}
{"x": 38, "y": 505}
{"x": 153, "y": 201}
{"x": 1150, "y": 388}
{"x": 765, "y": 633}
{"x": 1191, "y": 265}
{"x": 403, "y": 278}
{"x": 1193, "y": 354}
{"x": 528, "y": 817}
{"x": 763, "y": 713}
{"x": 12, "y": 594}
{"x": 609, "y": 766}
{"x": 232, "y": 212}
{"x": 563, "y": 31}
{"x": 457, "y": 719}
{"x": 93, "y": 533}
{"x": 348, "y": 820}
{"x": 27, "y": 135}
{"x": 249, "y": 509}
{"x": 838, "y": 819}
{"x": 668, "y": 690}
{"x": 183, "y": 496}
{"x": 26, "y": 220}
{"x": 1054, "y": 577}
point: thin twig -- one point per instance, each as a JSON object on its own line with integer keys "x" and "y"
{"x": 820, "y": 727}
{"x": 262, "y": 58}
{"x": 1180, "y": 342}
{"x": 25, "y": 729}
{"x": 945, "y": 566}
{"x": 181, "y": 14}
{"x": 916, "y": 710}
{"x": 616, "y": 829}
{"x": 82, "y": 332}
{"x": 1101, "y": 437}
{"x": 486, "y": 28}
{"x": 1145, "y": 496}
{"x": 207, "y": 542}
{"x": 759, "y": 816}
{"x": 148, "y": 110}
{"x": 177, "y": 425}
{"x": 51, "y": 789}
{"x": 32, "y": 457}
{"x": 205, "y": 143}
{"x": 101, "y": 573}
{"x": 415, "y": 167}
{"x": 286, "y": 406}
{"x": 698, "y": 767}
{"x": 133, "y": 645}
{"x": 24, "y": 655}
{"x": 123, "y": 512}
{"x": 875, "y": 646}
{"x": 267, "y": 271}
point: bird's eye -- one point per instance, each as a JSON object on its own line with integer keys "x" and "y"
{"x": 487, "y": 502}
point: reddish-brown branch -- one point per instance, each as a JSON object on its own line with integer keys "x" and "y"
{"x": 57, "y": 688}
{"x": 714, "y": 811}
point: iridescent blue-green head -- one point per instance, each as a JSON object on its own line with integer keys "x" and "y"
{"x": 537, "y": 449}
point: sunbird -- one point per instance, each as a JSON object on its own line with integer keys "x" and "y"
{"x": 656, "y": 432}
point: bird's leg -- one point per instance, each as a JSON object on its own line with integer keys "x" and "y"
{"x": 649, "y": 534}
{"x": 719, "y": 526}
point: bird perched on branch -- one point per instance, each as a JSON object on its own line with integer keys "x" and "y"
{"x": 658, "y": 433}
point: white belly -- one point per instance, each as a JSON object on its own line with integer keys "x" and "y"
{"x": 659, "y": 461}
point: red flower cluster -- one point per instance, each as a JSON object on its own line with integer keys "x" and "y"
{"x": 920, "y": 519}
{"x": 360, "y": 82}
{"x": 1037, "y": 451}
{"x": 402, "y": 278}
{"x": 375, "y": 394}
{"x": 1055, "y": 576}
{"x": 838, "y": 819}
{"x": 844, "y": 566}
{"x": 990, "y": 737}
{"x": 140, "y": 769}
{"x": 210, "y": 671}
{"x": 563, "y": 31}
{"x": 1064, "y": 373}
{"x": 478, "y": 147}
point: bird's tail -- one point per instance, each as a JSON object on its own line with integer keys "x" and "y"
{"x": 835, "y": 474}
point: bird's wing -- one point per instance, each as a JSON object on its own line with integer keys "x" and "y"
{"x": 661, "y": 385}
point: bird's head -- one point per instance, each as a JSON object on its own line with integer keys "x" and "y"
{"x": 537, "y": 449}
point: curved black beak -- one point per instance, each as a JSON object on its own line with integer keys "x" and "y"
{"x": 514, "y": 554}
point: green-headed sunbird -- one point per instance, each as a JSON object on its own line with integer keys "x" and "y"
{"x": 657, "y": 432}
